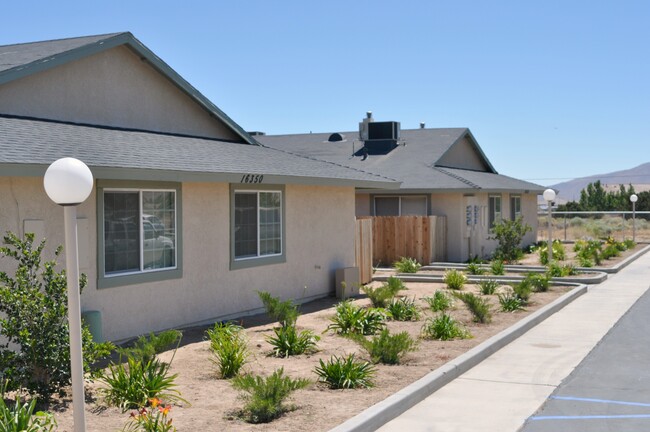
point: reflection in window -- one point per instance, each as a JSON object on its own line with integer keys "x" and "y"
{"x": 258, "y": 224}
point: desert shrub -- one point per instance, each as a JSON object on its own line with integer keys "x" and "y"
{"x": 510, "y": 302}
{"x": 229, "y": 348}
{"x": 475, "y": 269}
{"x": 288, "y": 341}
{"x": 265, "y": 396}
{"x": 345, "y": 372}
{"x": 403, "y": 309}
{"x": 508, "y": 234}
{"x": 488, "y": 286}
{"x": 610, "y": 251}
{"x": 454, "y": 279}
{"x": 556, "y": 270}
{"x": 153, "y": 418}
{"x": 407, "y": 265}
{"x": 629, "y": 244}
{"x": 145, "y": 348}
{"x": 21, "y": 417}
{"x": 523, "y": 290}
{"x": 439, "y": 302}
{"x": 444, "y": 327}
{"x": 34, "y": 321}
{"x": 498, "y": 268}
{"x": 380, "y": 296}
{"x": 388, "y": 348}
{"x": 576, "y": 222}
{"x": 538, "y": 281}
{"x": 132, "y": 384}
{"x": 284, "y": 312}
{"x": 350, "y": 319}
{"x": 559, "y": 252}
{"x": 478, "y": 306}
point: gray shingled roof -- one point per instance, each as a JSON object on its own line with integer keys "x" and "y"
{"x": 20, "y": 60}
{"x": 37, "y": 143}
{"x": 414, "y": 163}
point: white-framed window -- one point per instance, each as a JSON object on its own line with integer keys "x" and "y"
{"x": 257, "y": 224}
{"x": 494, "y": 210}
{"x": 400, "y": 205}
{"x": 515, "y": 206}
{"x": 139, "y": 231}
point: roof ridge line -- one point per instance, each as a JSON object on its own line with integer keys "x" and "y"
{"x": 457, "y": 177}
{"x": 64, "y": 39}
{"x": 116, "y": 128}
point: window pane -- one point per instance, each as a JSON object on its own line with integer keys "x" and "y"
{"x": 386, "y": 206}
{"x": 270, "y": 223}
{"x": 159, "y": 228}
{"x": 121, "y": 232}
{"x": 245, "y": 225}
{"x": 414, "y": 206}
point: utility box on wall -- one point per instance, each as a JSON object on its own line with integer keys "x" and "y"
{"x": 347, "y": 282}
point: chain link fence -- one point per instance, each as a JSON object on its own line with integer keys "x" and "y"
{"x": 572, "y": 226}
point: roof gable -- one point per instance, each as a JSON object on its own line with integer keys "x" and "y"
{"x": 465, "y": 153}
{"x": 27, "y": 60}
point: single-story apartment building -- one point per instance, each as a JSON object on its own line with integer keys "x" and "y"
{"x": 190, "y": 216}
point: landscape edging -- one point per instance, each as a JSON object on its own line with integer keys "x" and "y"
{"x": 396, "y": 404}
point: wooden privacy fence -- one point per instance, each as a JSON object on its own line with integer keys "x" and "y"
{"x": 363, "y": 249}
{"x": 421, "y": 237}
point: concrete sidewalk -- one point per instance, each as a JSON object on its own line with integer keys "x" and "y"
{"x": 501, "y": 392}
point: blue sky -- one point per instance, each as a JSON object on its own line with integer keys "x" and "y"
{"x": 552, "y": 90}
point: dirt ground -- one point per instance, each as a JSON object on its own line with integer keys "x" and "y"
{"x": 317, "y": 408}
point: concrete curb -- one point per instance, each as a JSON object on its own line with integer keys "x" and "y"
{"x": 592, "y": 278}
{"x": 396, "y": 404}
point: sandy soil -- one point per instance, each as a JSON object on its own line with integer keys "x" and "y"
{"x": 214, "y": 401}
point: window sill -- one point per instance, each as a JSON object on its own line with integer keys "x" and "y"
{"x": 256, "y": 262}
{"x": 139, "y": 278}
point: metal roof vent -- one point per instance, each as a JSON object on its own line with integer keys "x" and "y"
{"x": 382, "y": 138}
{"x": 336, "y": 137}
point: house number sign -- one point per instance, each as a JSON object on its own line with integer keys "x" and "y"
{"x": 252, "y": 178}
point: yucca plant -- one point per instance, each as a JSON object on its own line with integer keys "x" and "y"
{"x": 510, "y": 302}
{"x": 345, "y": 372}
{"x": 440, "y": 301}
{"x": 478, "y": 306}
{"x": 407, "y": 265}
{"x": 23, "y": 417}
{"x": 454, "y": 279}
{"x": 288, "y": 341}
{"x": 265, "y": 396}
{"x": 488, "y": 286}
{"x": 403, "y": 309}
{"x": 350, "y": 319}
{"x": 229, "y": 347}
{"x": 388, "y": 348}
{"x": 498, "y": 268}
{"x": 132, "y": 385}
{"x": 444, "y": 327}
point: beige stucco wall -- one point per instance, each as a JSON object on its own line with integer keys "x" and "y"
{"x": 463, "y": 155}
{"x": 318, "y": 241}
{"x": 112, "y": 88}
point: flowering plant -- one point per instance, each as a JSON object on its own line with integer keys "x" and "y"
{"x": 151, "y": 419}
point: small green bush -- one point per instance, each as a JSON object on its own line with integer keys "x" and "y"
{"x": 265, "y": 396}
{"x": 285, "y": 312}
{"x": 559, "y": 252}
{"x": 523, "y": 290}
{"x": 146, "y": 348}
{"x": 345, "y": 372}
{"x": 407, "y": 265}
{"x": 382, "y": 295}
{"x": 387, "y": 348}
{"x": 288, "y": 342}
{"x": 509, "y": 234}
{"x": 229, "y": 347}
{"x": 444, "y": 327}
{"x": 440, "y": 301}
{"x": 498, "y": 268}
{"x": 478, "y": 306}
{"x": 350, "y": 319}
{"x": 475, "y": 269}
{"x": 556, "y": 270}
{"x": 611, "y": 251}
{"x": 510, "y": 302}
{"x": 454, "y": 279}
{"x": 488, "y": 286}
{"x": 538, "y": 281}
{"x": 403, "y": 309}
{"x": 132, "y": 385}
{"x": 22, "y": 416}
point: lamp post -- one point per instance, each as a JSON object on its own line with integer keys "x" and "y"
{"x": 549, "y": 196}
{"x": 68, "y": 182}
{"x": 634, "y": 199}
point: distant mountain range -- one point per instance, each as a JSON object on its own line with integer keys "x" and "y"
{"x": 639, "y": 177}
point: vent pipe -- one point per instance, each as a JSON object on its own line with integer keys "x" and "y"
{"x": 421, "y": 125}
{"x": 369, "y": 114}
